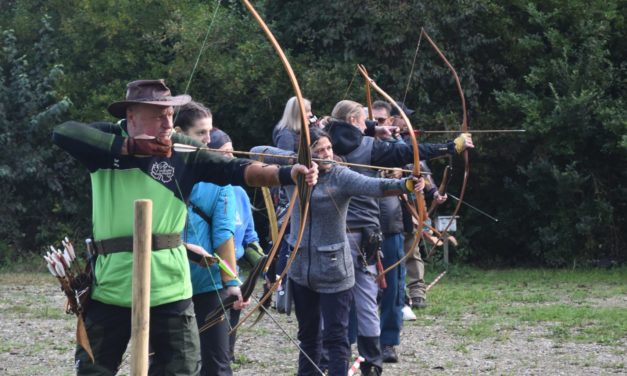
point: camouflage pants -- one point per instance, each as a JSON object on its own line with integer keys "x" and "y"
{"x": 415, "y": 270}
{"x": 173, "y": 340}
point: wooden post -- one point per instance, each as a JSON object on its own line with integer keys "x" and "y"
{"x": 140, "y": 324}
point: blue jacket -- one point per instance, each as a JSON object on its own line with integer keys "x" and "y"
{"x": 244, "y": 225}
{"x": 217, "y": 203}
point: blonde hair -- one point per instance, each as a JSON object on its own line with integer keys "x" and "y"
{"x": 346, "y": 109}
{"x": 291, "y": 115}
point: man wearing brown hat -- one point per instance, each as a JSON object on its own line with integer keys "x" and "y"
{"x": 134, "y": 159}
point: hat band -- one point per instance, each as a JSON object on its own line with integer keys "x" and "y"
{"x": 161, "y": 99}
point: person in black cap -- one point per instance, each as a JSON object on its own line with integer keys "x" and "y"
{"x": 346, "y": 130}
{"x": 135, "y": 159}
{"x": 246, "y": 237}
{"x": 211, "y": 225}
{"x": 392, "y": 226}
{"x": 397, "y": 119}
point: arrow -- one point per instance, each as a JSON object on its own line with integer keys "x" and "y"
{"x": 185, "y": 148}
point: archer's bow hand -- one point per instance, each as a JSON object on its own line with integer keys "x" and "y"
{"x": 415, "y": 184}
{"x": 463, "y": 142}
{"x": 146, "y": 146}
{"x": 240, "y": 303}
{"x": 311, "y": 174}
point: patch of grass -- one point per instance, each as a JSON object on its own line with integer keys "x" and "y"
{"x": 29, "y": 263}
{"x": 18, "y": 310}
{"x": 615, "y": 366}
{"x": 52, "y": 313}
{"x": 7, "y": 346}
{"x": 240, "y": 360}
{"x": 422, "y": 319}
{"x": 581, "y": 323}
{"x": 462, "y": 347}
{"x": 560, "y": 332}
{"x": 474, "y": 303}
{"x": 31, "y": 296}
{"x": 477, "y": 330}
{"x": 20, "y": 279}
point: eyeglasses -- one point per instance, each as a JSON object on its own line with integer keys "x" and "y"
{"x": 381, "y": 120}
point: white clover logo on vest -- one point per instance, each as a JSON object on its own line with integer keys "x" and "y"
{"x": 162, "y": 171}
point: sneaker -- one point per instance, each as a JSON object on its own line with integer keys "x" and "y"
{"x": 280, "y": 299}
{"x": 408, "y": 314}
{"x": 371, "y": 370}
{"x": 389, "y": 354}
{"x": 418, "y": 303}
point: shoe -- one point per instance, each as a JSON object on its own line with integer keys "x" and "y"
{"x": 408, "y": 314}
{"x": 280, "y": 299}
{"x": 389, "y": 354}
{"x": 419, "y": 303}
{"x": 371, "y": 371}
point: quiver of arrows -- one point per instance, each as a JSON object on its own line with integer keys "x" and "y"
{"x": 75, "y": 283}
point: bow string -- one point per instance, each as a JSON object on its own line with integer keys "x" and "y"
{"x": 463, "y": 127}
{"x": 304, "y": 158}
{"x": 420, "y": 203}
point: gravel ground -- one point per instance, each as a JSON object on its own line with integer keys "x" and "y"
{"x": 37, "y": 338}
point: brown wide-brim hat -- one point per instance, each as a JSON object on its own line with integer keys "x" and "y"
{"x": 148, "y": 92}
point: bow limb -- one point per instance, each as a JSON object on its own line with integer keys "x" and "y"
{"x": 443, "y": 186}
{"x": 464, "y": 125}
{"x": 420, "y": 202}
{"x": 274, "y": 228}
{"x": 304, "y": 158}
{"x": 275, "y": 233}
{"x": 368, "y": 95}
{"x": 275, "y": 245}
{"x": 414, "y": 141}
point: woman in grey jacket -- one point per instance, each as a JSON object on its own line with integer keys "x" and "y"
{"x": 322, "y": 275}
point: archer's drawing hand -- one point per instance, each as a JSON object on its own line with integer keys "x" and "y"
{"x": 439, "y": 199}
{"x": 385, "y": 132}
{"x": 143, "y": 146}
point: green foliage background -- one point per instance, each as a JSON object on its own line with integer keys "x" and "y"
{"x": 554, "y": 68}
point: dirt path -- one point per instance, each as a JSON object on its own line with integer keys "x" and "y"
{"x": 37, "y": 338}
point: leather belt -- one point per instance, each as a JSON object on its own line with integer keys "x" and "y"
{"x": 125, "y": 243}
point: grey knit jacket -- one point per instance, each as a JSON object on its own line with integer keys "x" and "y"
{"x": 324, "y": 262}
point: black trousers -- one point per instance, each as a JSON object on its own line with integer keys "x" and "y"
{"x": 214, "y": 342}
{"x": 311, "y": 308}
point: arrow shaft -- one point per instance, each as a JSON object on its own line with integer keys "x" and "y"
{"x": 323, "y": 161}
{"x": 474, "y": 208}
{"x": 475, "y": 131}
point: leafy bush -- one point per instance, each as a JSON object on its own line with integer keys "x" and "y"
{"x": 40, "y": 188}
